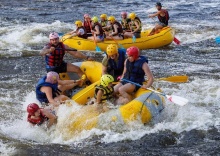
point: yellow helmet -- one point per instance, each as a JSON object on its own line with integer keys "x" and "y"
{"x": 103, "y": 16}
{"x": 112, "y": 49}
{"x": 78, "y": 23}
{"x": 111, "y": 19}
{"x": 106, "y": 79}
{"x": 95, "y": 19}
{"x": 132, "y": 16}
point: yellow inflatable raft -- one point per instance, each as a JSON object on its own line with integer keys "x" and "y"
{"x": 144, "y": 106}
{"x": 163, "y": 38}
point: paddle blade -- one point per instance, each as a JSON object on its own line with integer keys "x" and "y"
{"x": 176, "y": 41}
{"x": 177, "y": 100}
{"x": 217, "y": 39}
{"x": 175, "y": 79}
{"x": 133, "y": 39}
{"x": 98, "y": 49}
{"x": 60, "y": 34}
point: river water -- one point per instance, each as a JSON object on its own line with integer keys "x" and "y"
{"x": 193, "y": 129}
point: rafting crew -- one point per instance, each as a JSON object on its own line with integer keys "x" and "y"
{"x": 97, "y": 31}
{"x": 135, "y": 68}
{"x": 39, "y": 116}
{"x": 163, "y": 17}
{"x": 80, "y": 30}
{"x": 135, "y": 26}
{"x": 113, "y": 62}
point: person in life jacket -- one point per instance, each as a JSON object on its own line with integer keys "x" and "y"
{"x": 104, "y": 92}
{"x": 117, "y": 31}
{"x": 135, "y": 27}
{"x": 125, "y": 22}
{"x": 104, "y": 23}
{"x": 54, "y": 53}
{"x": 50, "y": 89}
{"x": 37, "y": 115}
{"x": 97, "y": 30}
{"x": 113, "y": 62}
{"x": 135, "y": 68}
{"x": 87, "y": 23}
{"x": 80, "y": 30}
{"x": 163, "y": 17}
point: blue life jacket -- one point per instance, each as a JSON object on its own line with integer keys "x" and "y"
{"x": 134, "y": 70}
{"x": 42, "y": 96}
{"x": 116, "y": 69}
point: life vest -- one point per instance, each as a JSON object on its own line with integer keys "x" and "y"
{"x": 101, "y": 32}
{"x": 85, "y": 33}
{"x": 41, "y": 96}
{"x": 116, "y": 68}
{"x": 55, "y": 58}
{"x": 107, "y": 92}
{"x": 125, "y": 24}
{"x": 38, "y": 121}
{"x": 164, "y": 19}
{"x": 120, "y": 30}
{"x": 104, "y": 23}
{"x": 133, "y": 26}
{"x": 87, "y": 26}
{"x": 134, "y": 70}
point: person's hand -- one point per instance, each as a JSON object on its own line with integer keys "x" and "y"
{"x": 144, "y": 86}
{"x": 90, "y": 58}
{"x": 52, "y": 49}
{"x": 150, "y": 16}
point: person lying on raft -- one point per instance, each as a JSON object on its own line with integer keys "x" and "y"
{"x": 80, "y": 31}
{"x": 135, "y": 68}
{"x": 38, "y": 116}
{"x": 113, "y": 62}
{"x": 50, "y": 89}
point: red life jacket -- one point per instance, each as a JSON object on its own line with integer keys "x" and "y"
{"x": 164, "y": 19}
{"x": 87, "y": 26}
{"x": 38, "y": 121}
{"x": 55, "y": 58}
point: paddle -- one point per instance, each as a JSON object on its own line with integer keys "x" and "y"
{"x": 217, "y": 39}
{"x": 175, "y": 79}
{"x": 176, "y": 40}
{"x": 96, "y": 48}
{"x": 121, "y": 46}
{"x": 173, "y": 98}
{"x": 133, "y": 39}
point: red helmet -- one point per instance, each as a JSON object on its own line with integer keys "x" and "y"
{"x": 32, "y": 108}
{"x": 124, "y": 13}
{"x": 133, "y": 51}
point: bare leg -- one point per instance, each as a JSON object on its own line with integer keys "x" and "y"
{"x": 126, "y": 90}
{"x": 74, "y": 69}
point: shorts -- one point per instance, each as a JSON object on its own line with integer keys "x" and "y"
{"x": 121, "y": 35}
{"x": 136, "y": 87}
{"x": 137, "y": 34}
{"x": 162, "y": 24}
{"x": 101, "y": 37}
{"x": 59, "y": 69}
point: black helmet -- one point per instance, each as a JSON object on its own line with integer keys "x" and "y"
{"x": 158, "y": 4}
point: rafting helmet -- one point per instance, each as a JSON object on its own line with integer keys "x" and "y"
{"x": 78, "y": 23}
{"x": 86, "y": 16}
{"x": 106, "y": 79}
{"x": 132, "y": 16}
{"x": 51, "y": 76}
{"x": 124, "y": 13}
{"x": 111, "y": 19}
{"x": 53, "y": 35}
{"x": 112, "y": 49}
{"x": 32, "y": 108}
{"x": 104, "y": 16}
{"x": 95, "y": 19}
{"x": 133, "y": 51}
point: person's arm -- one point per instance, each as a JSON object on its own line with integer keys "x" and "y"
{"x": 96, "y": 30}
{"x": 52, "y": 118}
{"x": 47, "y": 50}
{"x": 125, "y": 69}
{"x": 155, "y": 14}
{"x": 149, "y": 74}
{"x": 66, "y": 82}
{"x": 104, "y": 65}
{"x": 99, "y": 96}
{"x": 78, "y": 54}
{"x": 48, "y": 92}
